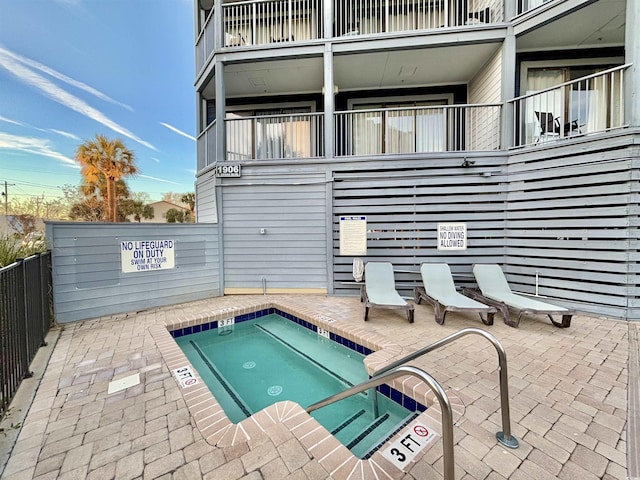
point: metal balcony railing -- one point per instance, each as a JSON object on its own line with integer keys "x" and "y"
{"x": 365, "y": 17}
{"x": 205, "y": 43}
{"x": 590, "y": 104}
{"x": 261, "y": 22}
{"x": 206, "y": 147}
{"x": 446, "y": 128}
{"x": 265, "y": 137}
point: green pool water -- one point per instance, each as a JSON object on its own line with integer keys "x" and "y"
{"x": 253, "y": 364}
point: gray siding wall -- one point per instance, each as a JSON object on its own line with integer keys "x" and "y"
{"x": 405, "y": 201}
{"x": 289, "y": 205}
{"x": 88, "y": 281}
{"x": 562, "y": 221}
{"x": 206, "y": 210}
{"x": 572, "y": 219}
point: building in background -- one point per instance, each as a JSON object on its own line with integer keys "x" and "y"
{"x": 518, "y": 119}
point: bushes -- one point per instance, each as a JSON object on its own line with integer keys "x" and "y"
{"x": 13, "y": 247}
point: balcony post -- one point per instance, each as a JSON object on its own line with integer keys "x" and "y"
{"x": 218, "y": 23}
{"x": 508, "y": 90}
{"x": 632, "y": 74}
{"x": 327, "y": 20}
{"x": 329, "y": 102}
{"x": 221, "y": 124}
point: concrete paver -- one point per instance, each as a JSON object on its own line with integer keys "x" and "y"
{"x": 573, "y": 404}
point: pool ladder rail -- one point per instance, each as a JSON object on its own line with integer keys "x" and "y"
{"x": 398, "y": 369}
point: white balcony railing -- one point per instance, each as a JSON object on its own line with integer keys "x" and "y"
{"x": 205, "y": 43}
{"x": 590, "y": 104}
{"x": 206, "y": 147}
{"x": 364, "y": 17}
{"x": 298, "y": 135}
{"x": 260, "y": 22}
{"x": 447, "y": 128}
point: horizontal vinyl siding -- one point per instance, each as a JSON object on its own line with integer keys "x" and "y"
{"x": 485, "y": 87}
{"x": 88, "y": 281}
{"x": 571, "y": 221}
{"x": 404, "y": 205}
{"x": 292, "y": 210}
{"x": 206, "y": 210}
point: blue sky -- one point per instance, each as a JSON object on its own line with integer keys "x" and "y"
{"x": 71, "y": 69}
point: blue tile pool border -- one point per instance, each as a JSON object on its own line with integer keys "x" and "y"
{"x": 395, "y": 395}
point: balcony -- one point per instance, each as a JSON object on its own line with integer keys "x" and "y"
{"x": 588, "y": 105}
{"x": 395, "y": 131}
{"x": 272, "y": 22}
{"x": 266, "y": 137}
{"x": 447, "y": 128}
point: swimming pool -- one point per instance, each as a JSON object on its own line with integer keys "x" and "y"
{"x": 254, "y": 362}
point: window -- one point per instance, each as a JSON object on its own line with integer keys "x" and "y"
{"x": 577, "y": 107}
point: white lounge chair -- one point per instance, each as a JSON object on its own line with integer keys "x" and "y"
{"x": 440, "y": 291}
{"x": 494, "y": 290}
{"x": 379, "y": 289}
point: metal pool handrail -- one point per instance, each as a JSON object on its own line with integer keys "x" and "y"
{"x": 445, "y": 405}
{"x": 504, "y": 437}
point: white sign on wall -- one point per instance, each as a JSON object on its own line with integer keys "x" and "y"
{"x": 147, "y": 255}
{"x": 452, "y": 236}
{"x": 353, "y": 236}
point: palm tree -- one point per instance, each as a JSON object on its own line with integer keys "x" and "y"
{"x": 108, "y": 161}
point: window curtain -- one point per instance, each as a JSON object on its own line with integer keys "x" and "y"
{"x": 550, "y": 103}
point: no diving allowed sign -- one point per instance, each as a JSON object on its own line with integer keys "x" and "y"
{"x": 415, "y": 438}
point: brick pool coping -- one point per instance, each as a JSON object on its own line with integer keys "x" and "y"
{"x": 216, "y": 428}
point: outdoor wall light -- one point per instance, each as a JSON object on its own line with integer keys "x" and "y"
{"x": 263, "y": 231}
{"x": 467, "y": 163}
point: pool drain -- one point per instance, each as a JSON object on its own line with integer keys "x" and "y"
{"x": 274, "y": 390}
{"x": 248, "y": 365}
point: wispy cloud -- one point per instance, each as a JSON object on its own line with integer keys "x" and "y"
{"x": 8, "y": 120}
{"x": 159, "y": 179}
{"x": 66, "y": 134}
{"x": 30, "y": 77}
{"x": 155, "y": 159}
{"x": 64, "y": 78}
{"x": 36, "y": 146}
{"x": 179, "y": 132}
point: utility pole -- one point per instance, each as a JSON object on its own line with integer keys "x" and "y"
{"x": 5, "y": 194}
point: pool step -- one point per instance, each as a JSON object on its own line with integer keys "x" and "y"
{"x": 376, "y": 434}
{"x": 347, "y": 422}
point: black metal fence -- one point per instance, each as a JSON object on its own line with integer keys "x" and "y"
{"x": 25, "y": 318}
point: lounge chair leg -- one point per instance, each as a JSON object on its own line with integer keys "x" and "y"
{"x": 416, "y": 295}
{"x": 507, "y": 318}
{"x": 439, "y": 314}
{"x": 489, "y": 319}
{"x": 566, "y": 321}
{"x": 366, "y": 313}
{"x": 410, "y": 313}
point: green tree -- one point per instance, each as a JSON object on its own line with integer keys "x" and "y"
{"x": 89, "y": 209}
{"x": 174, "y": 215}
{"x": 138, "y": 209}
{"x": 108, "y": 161}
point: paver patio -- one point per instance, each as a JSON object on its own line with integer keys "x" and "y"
{"x": 574, "y": 394}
